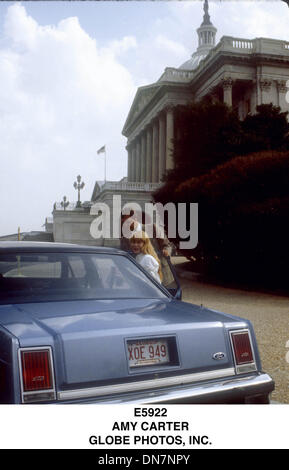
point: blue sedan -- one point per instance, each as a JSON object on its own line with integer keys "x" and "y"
{"x": 88, "y": 325}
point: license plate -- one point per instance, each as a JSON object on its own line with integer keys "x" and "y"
{"x": 147, "y": 352}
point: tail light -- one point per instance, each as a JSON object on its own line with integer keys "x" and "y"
{"x": 37, "y": 377}
{"x": 243, "y": 351}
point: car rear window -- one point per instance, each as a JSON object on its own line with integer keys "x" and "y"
{"x": 35, "y": 277}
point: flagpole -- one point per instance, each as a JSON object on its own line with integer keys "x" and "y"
{"x": 105, "y": 164}
{"x": 103, "y": 150}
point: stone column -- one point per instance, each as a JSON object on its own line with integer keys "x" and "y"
{"x": 137, "y": 161}
{"x": 133, "y": 163}
{"x": 281, "y": 89}
{"x": 253, "y": 96}
{"x": 149, "y": 155}
{"x": 129, "y": 163}
{"x": 214, "y": 96}
{"x": 257, "y": 84}
{"x": 162, "y": 146}
{"x": 155, "y": 158}
{"x": 265, "y": 86}
{"x": 143, "y": 158}
{"x": 227, "y": 84}
{"x": 169, "y": 139}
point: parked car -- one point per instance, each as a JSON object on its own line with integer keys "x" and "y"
{"x": 88, "y": 325}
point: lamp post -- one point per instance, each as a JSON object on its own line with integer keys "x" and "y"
{"x": 64, "y": 203}
{"x": 77, "y": 185}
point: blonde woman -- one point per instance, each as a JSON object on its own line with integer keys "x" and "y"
{"x": 145, "y": 254}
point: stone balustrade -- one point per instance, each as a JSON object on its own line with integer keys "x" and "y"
{"x": 129, "y": 186}
{"x": 242, "y": 44}
{"x": 247, "y": 46}
{"x": 110, "y": 186}
{"x": 72, "y": 206}
{"x": 59, "y": 207}
{"x": 176, "y": 75}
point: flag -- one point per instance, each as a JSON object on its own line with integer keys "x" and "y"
{"x": 101, "y": 150}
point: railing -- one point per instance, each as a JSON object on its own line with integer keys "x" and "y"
{"x": 129, "y": 186}
{"x": 247, "y": 46}
{"x": 242, "y": 44}
{"x": 72, "y": 206}
{"x": 254, "y": 45}
{"x": 59, "y": 207}
{"x": 229, "y": 43}
{"x": 176, "y": 75}
{"x": 110, "y": 186}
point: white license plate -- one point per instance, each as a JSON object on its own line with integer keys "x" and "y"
{"x": 147, "y": 352}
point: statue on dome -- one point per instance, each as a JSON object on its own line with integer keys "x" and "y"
{"x": 206, "y": 15}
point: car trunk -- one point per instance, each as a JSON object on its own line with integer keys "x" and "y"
{"x": 91, "y": 339}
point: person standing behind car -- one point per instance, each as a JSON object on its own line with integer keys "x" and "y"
{"x": 135, "y": 226}
{"x": 163, "y": 249}
{"x": 145, "y": 254}
{"x": 159, "y": 241}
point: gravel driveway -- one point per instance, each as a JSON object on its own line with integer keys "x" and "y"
{"x": 269, "y": 315}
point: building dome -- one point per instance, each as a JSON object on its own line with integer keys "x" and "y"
{"x": 207, "y": 36}
{"x": 193, "y": 62}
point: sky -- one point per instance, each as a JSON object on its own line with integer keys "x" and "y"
{"x": 69, "y": 72}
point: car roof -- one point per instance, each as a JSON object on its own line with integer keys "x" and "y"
{"x": 17, "y": 246}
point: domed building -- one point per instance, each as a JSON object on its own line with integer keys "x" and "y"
{"x": 243, "y": 73}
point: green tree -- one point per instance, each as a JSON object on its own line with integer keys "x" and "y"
{"x": 206, "y": 135}
{"x": 267, "y": 129}
{"x": 243, "y": 218}
{"x": 238, "y": 172}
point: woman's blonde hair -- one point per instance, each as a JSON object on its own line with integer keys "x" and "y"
{"x": 148, "y": 248}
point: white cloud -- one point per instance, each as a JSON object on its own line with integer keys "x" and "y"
{"x": 174, "y": 48}
{"x": 19, "y": 27}
{"x": 61, "y": 98}
{"x": 123, "y": 45}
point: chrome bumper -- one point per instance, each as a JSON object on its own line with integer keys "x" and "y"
{"x": 234, "y": 390}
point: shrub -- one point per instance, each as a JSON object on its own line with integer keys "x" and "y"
{"x": 243, "y": 216}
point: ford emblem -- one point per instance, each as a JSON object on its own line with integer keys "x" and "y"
{"x": 218, "y": 355}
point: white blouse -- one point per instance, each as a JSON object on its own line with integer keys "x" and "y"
{"x": 150, "y": 264}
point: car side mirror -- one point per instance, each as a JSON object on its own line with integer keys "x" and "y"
{"x": 176, "y": 293}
